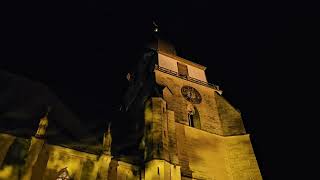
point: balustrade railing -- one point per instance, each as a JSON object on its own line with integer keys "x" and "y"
{"x": 188, "y": 78}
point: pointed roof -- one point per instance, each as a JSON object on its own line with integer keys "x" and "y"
{"x": 162, "y": 45}
{"x": 42, "y": 129}
{"x": 159, "y": 44}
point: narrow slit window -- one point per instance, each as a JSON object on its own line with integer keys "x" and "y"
{"x": 191, "y": 121}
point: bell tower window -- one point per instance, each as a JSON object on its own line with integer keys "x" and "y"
{"x": 182, "y": 70}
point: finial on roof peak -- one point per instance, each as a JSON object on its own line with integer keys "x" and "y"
{"x": 155, "y": 27}
{"x": 48, "y": 110}
{"x": 43, "y": 124}
{"x": 109, "y": 127}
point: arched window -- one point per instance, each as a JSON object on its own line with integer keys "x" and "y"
{"x": 63, "y": 174}
{"x": 193, "y": 117}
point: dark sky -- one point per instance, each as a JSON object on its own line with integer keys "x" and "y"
{"x": 82, "y": 50}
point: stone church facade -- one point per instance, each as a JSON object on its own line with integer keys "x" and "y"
{"x": 185, "y": 130}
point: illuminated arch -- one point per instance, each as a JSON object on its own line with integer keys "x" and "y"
{"x": 194, "y": 118}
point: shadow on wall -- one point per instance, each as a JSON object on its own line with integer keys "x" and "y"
{"x": 14, "y": 161}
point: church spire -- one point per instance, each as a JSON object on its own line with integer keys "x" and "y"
{"x": 158, "y": 43}
{"x": 41, "y": 132}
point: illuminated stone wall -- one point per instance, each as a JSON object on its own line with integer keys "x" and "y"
{"x": 216, "y": 114}
{"x": 160, "y": 135}
{"x": 231, "y": 121}
{"x": 202, "y": 152}
{"x": 33, "y": 159}
{"x": 156, "y": 142}
{"x": 171, "y": 64}
{"x": 167, "y": 62}
{"x": 161, "y": 170}
{"x": 14, "y": 152}
{"x": 210, "y": 156}
{"x": 220, "y": 148}
{"x": 240, "y": 159}
{"x": 126, "y": 171}
{"x": 5, "y": 142}
{"x": 80, "y": 165}
{"x": 209, "y": 116}
{"x": 169, "y": 149}
{"x": 201, "y": 155}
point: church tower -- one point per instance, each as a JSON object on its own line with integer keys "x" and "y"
{"x": 173, "y": 125}
{"x": 184, "y": 127}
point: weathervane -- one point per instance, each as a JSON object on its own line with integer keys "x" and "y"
{"x": 48, "y": 110}
{"x": 156, "y": 27}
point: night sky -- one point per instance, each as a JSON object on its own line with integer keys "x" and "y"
{"x": 82, "y": 51}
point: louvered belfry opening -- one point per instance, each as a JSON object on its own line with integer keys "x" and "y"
{"x": 182, "y": 70}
